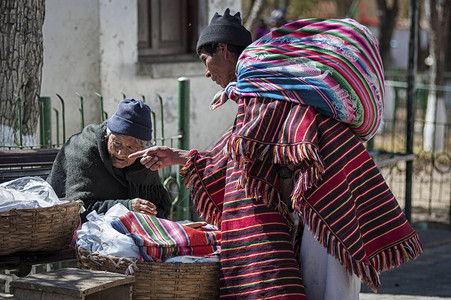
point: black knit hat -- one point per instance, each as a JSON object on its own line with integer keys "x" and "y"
{"x": 225, "y": 29}
{"x": 132, "y": 118}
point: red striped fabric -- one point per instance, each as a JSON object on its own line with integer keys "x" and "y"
{"x": 159, "y": 239}
{"x": 339, "y": 193}
{"x": 353, "y": 202}
{"x": 257, "y": 256}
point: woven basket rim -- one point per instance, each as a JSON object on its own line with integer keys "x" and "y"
{"x": 80, "y": 250}
{"x": 38, "y": 229}
{"x": 56, "y": 206}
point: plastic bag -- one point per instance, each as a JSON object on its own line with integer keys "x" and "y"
{"x": 97, "y": 234}
{"x": 27, "y": 192}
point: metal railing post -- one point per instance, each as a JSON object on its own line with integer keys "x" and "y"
{"x": 163, "y": 137}
{"x": 82, "y": 111}
{"x": 370, "y": 144}
{"x": 411, "y": 90}
{"x": 162, "y": 119}
{"x": 46, "y": 121}
{"x": 63, "y": 117}
{"x": 183, "y": 207}
{"x": 19, "y": 100}
{"x": 102, "y": 111}
{"x": 57, "y": 120}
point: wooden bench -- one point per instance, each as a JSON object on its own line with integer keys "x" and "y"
{"x": 74, "y": 284}
{"x": 30, "y": 162}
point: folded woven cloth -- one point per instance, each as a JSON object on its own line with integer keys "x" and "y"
{"x": 159, "y": 239}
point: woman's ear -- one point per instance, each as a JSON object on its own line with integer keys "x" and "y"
{"x": 222, "y": 46}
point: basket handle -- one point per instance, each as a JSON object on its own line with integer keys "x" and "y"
{"x": 58, "y": 210}
{"x": 132, "y": 266}
{"x": 18, "y": 214}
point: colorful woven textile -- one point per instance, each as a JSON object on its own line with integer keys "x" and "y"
{"x": 339, "y": 192}
{"x": 159, "y": 239}
{"x": 332, "y": 65}
{"x": 257, "y": 256}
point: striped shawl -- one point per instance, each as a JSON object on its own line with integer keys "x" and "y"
{"x": 339, "y": 192}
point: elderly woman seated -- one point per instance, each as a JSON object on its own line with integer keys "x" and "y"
{"x": 93, "y": 165}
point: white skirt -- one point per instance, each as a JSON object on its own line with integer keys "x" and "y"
{"x": 324, "y": 277}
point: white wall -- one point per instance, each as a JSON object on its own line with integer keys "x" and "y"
{"x": 91, "y": 46}
{"x": 71, "y": 58}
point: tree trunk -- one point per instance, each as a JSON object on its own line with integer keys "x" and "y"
{"x": 438, "y": 16}
{"x": 21, "y": 58}
{"x": 387, "y": 24}
{"x": 253, "y": 18}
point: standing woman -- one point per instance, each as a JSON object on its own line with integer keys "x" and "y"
{"x": 307, "y": 95}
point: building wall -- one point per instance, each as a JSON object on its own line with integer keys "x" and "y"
{"x": 91, "y": 47}
{"x": 71, "y": 58}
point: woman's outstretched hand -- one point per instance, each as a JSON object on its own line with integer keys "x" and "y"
{"x": 159, "y": 157}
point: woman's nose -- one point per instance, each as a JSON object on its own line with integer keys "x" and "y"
{"x": 207, "y": 73}
{"x": 120, "y": 150}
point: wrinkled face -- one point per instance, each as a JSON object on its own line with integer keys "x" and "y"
{"x": 120, "y": 147}
{"x": 221, "y": 66}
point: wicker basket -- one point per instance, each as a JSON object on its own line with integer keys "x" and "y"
{"x": 155, "y": 280}
{"x": 40, "y": 229}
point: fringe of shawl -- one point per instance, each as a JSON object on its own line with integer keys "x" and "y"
{"x": 245, "y": 152}
{"x": 387, "y": 259}
{"x": 284, "y": 154}
{"x": 398, "y": 254}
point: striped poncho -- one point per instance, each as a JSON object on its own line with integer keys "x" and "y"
{"x": 339, "y": 191}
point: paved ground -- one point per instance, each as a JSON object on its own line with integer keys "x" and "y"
{"x": 427, "y": 278}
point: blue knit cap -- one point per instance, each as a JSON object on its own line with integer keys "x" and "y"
{"x": 132, "y": 118}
